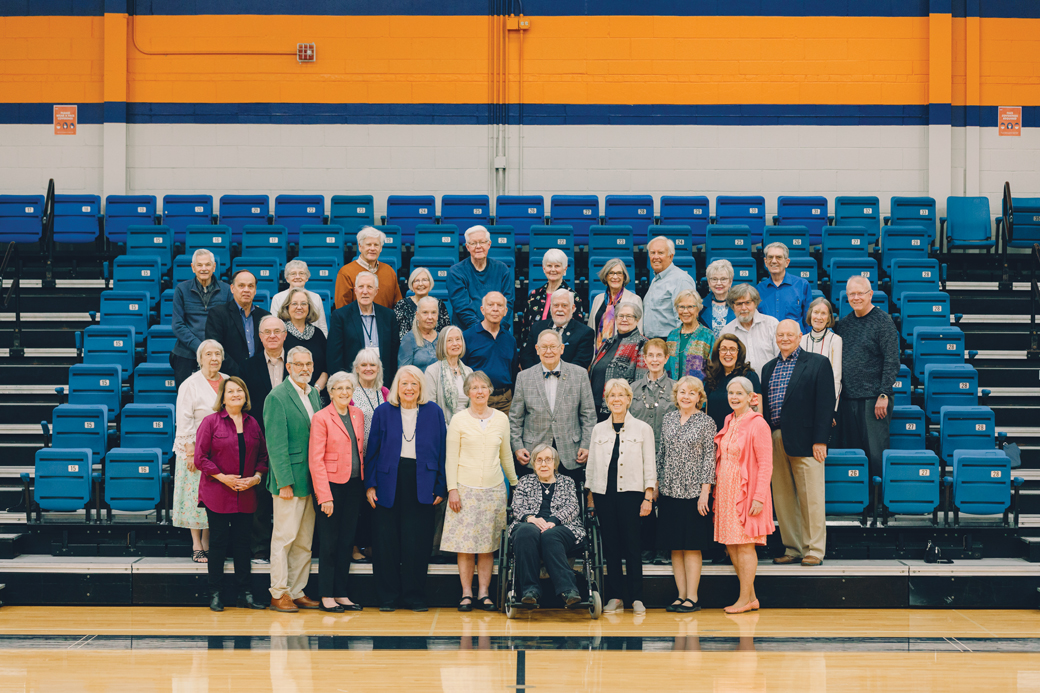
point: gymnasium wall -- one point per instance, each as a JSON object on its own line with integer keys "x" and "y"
{"x": 419, "y": 96}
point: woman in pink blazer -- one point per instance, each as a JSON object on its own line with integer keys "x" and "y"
{"x": 743, "y": 503}
{"x": 337, "y": 472}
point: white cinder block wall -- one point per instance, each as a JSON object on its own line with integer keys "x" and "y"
{"x": 30, "y": 155}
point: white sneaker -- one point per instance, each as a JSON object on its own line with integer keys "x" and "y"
{"x": 637, "y": 607}
{"x": 614, "y": 606}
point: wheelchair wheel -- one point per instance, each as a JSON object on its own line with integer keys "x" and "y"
{"x": 596, "y": 605}
{"x": 511, "y": 611}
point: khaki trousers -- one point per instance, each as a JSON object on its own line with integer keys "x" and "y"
{"x": 291, "y": 546}
{"x": 798, "y": 498}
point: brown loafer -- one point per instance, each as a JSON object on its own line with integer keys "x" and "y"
{"x": 306, "y": 602}
{"x": 284, "y": 603}
{"x": 786, "y": 559}
{"x": 812, "y": 560}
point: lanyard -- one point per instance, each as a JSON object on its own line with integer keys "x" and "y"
{"x": 368, "y": 326}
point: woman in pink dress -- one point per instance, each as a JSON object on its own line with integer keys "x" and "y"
{"x": 743, "y": 503}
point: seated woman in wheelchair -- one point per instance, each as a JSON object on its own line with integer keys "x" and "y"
{"x": 547, "y": 525}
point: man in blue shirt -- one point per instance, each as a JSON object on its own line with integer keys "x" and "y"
{"x": 784, "y": 296}
{"x": 472, "y": 279}
{"x": 192, "y": 300}
{"x": 670, "y": 280}
{"x": 491, "y": 349}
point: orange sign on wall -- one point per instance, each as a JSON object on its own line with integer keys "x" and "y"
{"x": 65, "y": 120}
{"x": 1009, "y": 121}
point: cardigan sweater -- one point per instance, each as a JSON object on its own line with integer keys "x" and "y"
{"x": 479, "y": 457}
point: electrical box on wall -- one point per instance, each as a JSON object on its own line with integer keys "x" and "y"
{"x": 305, "y": 52}
{"x": 517, "y": 23}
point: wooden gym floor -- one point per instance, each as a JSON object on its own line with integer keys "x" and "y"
{"x": 183, "y": 650}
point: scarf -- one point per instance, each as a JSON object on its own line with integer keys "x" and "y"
{"x": 605, "y": 329}
{"x": 307, "y": 333}
{"x": 453, "y": 403}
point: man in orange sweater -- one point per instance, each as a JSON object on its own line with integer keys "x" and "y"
{"x": 370, "y": 244}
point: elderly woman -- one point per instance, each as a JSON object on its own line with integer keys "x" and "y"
{"x": 419, "y": 347}
{"x": 337, "y": 473}
{"x": 404, "y": 474}
{"x": 620, "y": 356}
{"x": 652, "y": 393}
{"x": 614, "y": 276}
{"x": 685, "y": 473}
{"x": 479, "y": 462}
{"x": 369, "y": 393}
{"x": 547, "y": 526}
{"x": 689, "y": 345}
{"x": 728, "y": 361}
{"x": 554, "y": 264}
{"x": 195, "y": 400}
{"x": 622, "y": 474}
{"x": 743, "y": 503}
{"x": 301, "y": 320}
{"x": 296, "y": 274}
{"x": 230, "y": 454}
{"x": 420, "y": 282}
{"x": 370, "y": 244}
{"x": 822, "y": 340}
{"x": 718, "y": 313}
{"x": 445, "y": 379}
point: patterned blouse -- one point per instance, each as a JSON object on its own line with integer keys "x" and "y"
{"x": 405, "y": 310}
{"x": 527, "y": 500}
{"x": 688, "y": 354}
{"x": 535, "y": 308}
{"x": 686, "y": 455}
{"x": 367, "y": 400}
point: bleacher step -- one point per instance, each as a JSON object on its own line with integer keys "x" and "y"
{"x": 11, "y": 544}
{"x": 1032, "y": 553}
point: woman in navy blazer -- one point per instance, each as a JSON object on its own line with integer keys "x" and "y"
{"x": 404, "y": 474}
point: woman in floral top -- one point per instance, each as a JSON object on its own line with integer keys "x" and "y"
{"x": 554, "y": 264}
{"x": 689, "y": 345}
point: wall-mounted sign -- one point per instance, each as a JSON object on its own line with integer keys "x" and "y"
{"x": 65, "y": 120}
{"x": 1009, "y": 121}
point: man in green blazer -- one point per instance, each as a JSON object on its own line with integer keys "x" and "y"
{"x": 287, "y": 421}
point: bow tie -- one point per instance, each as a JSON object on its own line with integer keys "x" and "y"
{"x": 555, "y": 374}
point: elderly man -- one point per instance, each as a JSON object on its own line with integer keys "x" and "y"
{"x": 192, "y": 300}
{"x": 363, "y": 324}
{"x": 370, "y": 244}
{"x": 236, "y": 325}
{"x": 470, "y": 280}
{"x": 798, "y": 404}
{"x": 287, "y": 421}
{"x": 783, "y": 295}
{"x": 869, "y": 366}
{"x": 756, "y": 331}
{"x": 553, "y": 404}
{"x": 578, "y": 338}
{"x": 659, "y": 316}
{"x": 492, "y": 349}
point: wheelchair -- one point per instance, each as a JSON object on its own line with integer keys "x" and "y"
{"x": 587, "y": 561}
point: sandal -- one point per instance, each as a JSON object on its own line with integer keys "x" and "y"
{"x": 485, "y": 603}
{"x": 198, "y": 556}
{"x": 466, "y": 604}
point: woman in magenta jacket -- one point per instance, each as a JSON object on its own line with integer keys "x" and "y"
{"x": 337, "y": 472}
{"x": 743, "y": 503}
{"x": 231, "y": 454}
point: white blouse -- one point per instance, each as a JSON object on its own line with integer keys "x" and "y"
{"x": 829, "y": 346}
{"x": 195, "y": 400}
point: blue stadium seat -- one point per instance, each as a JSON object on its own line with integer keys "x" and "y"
{"x": 559, "y": 236}
{"x": 261, "y": 240}
{"x": 879, "y": 299}
{"x": 323, "y": 241}
{"x": 21, "y": 218}
{"x": 150, "y": 240}
{"x": 864, "y": 211}
{"x": 687, "y": 263}
{"x": 686, "y": 210}
{"x": 911, "y": 482}
{"x": 681, "y": 236}
{"x": 96, "y": 384}
{"x": 612, "y": 241}
{"x": 796, "y": 238}
{"x": 265, "y": 269}
{"x": 154, "y": 384}
{"x": 937, "y": 345}
{"x": 159, "y": 344}
{"x": 745, "y": 269}
{"x": 79, "y": 426}
{"x": 901, "y": 387}
{"x": 323, "y": 272}
{"x": 809, "y": 211}
{"x": 981, "y": 483}
{"x": 635, "y": 211}
{"x": 728, "y": 241}
{"x": 439, "y": 241}
{"x": 1026, "y": 228}
{"x": 182, "y": 269}
{"x": 148, "y": 426}
{"x": 408, "y": 211}
{"x": 913, "y": 211}
{"x": 127, "y": 309}
{"x": 805, "y": 267}
{"x": 949, "y": 386}
{"x": 166, "y": 307}
{"x": 503, "y": 243}
{"x": 138, "y": 273}
{"x": 521, "y": 212}
{"x": 922, "y": 309}
{"x": 327, "y": 304}
{"x": 907, "y": 428}
{"x": 133, "y": 480}
{"x": 903, "y": 243}
{"x": 914, "y": 275}
{"x": 123, "y": 211}
{"x": 595, "y": 265}
{"x": 536, "y": 274}
{"x": 239, "y": 211}
{"x": 966, "y": 428}
{"x": 743, "y": 210}
{"x": 846, "y": 482}
{"x": 841, "y": 268}
{"x": 439, "y": 270}
{"x": 465, "y": 211}
{"x": 182, "y": 211}
{"x": 392, "y": 242}
{"x": 262, "y": 299}
{"x": 215, "y": 238}
{"x": 967, "y": 223}
{"x": 293, "y": 211}
{"x": 580, "y": 212}
{"x": 64, "y": 479}
{"x": 351, "y": 212}
{"x": 108, "y": 345}
{"x": 843, "y": 241}
{"x": 77, "y": 218}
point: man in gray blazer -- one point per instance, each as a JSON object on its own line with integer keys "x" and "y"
{"x": 552, "y": 404}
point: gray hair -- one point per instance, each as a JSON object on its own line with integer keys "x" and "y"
{"x": 720, "y": 267}
{"x": 562, "y": 293}
{"x": 267, "y": 317}
{"x": 669, "y": 241}
{"x": 312, "y": 312}
{"x": 415, "y": 275}
{"x": 290, "y": 357}
{"x": 617, "y": 383}
{"x": 338, "y": 377}
{"x": 688, "y": 293}
{"x": 777, "y": 246}
{"x": 744, "y": 383}
{"x": 474, "y": 376}
{"x": 207, "y": 343}
{"x": 202, "y": 252}
{"x": 415, "y": 320}
{"x": 739, "y": 291}
{"x": 394, "y": 398}
{"x": 369, "y": 355}
{"x": 608, "y": 266}
{"x": 636, "y": 308}
{"x": 475, "y": 229}
{"x": 859, "y": 279}
{"x": 542, "y": 447}
{"x": 442, "y": 342}
{"x": 553, "y": 333}
{"x": 295, "y": 265}
{"x": 555, "y": 255}
{"x": 366, "y": 273}
{"x": 367, "y": 232}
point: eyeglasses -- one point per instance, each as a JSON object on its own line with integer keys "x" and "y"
{"x": 774, "y": 258}
{"x": 616, "y": 275}
{"x": 739, "y": 304}
{"x": 729, "y": 350}
{"x": 550, "y": 347}
{"x": 625, "y": 316}
{"x": 296, "y": 273}
{"x": 858, "y": 294}
{"x": 302, "y": 364}
{"x": 479, "y": 243}
{"x": 298, "y": 305}
{"x": 271, "y": 333}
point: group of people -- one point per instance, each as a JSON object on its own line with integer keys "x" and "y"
{"x": 685, "y": 421}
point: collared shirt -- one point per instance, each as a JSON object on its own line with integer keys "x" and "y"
{"x": 493, "y": 355}
{"x": 206, "y": 293}
{"x": 373, "y": 268}
{"x": 370, "y": 330}
{"x": 759, "y": 339}
{"x": 247, "y": 324}
{"x": 778, "y": 383}
{"x": 276, "y": 368}
{"x": 789, "y": 300}
{"x": 304, "y": 397}
{"x": 551, "y": 384}
{"x": 659, "y": 316}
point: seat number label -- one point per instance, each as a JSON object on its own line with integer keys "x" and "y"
{"x": 738, "y": 241}
{"x": 117, "y": 343}
{"x": 146, "y": 273}
{"x": 911, "y": 427}
{"x": 142, "y": 210}
{"x": 502, "y": 240}
{"x": 561, "y": 241}
{"x": 805, "y": 274}
{"x": 74, "y": 468}
{"x": 753, "y": 210}
{"x": 680, "y": 241}
{"x": 256, "y": 210}
{"x": 134, "y": 306}
{"x": 924, "y": 472}
{"x": 865, "y": 274}
{"x": 171, "y": 383}
{"x": 198, "y": 209}
{"x": 88, "y": 424}
{"x": 310, "y": 210}
{"x": 444, "y": 239}
{"x": 323, "y": 273}
{"x": 103, "y": 383}
{"x": 697, "y": 212}
{"x": 442, "y": 273}
{"x": 744, "y": 273}
{"x": 142, "y": 470}
{"x": 924, "y": 212}
{"x": 927, "y": 274}
{"x": 157, "y": 424}
{"x": 422, "y": 210}
{"x": 980, "y": 427}
{"x": 157, "y": 240}
{"x": 478, "y": 210}
{"x": 587, "y": 212}
{"x": 915, "y": 241}
{"x": 854, "y": 241}
{"x": 622, "y": 241}
{"x": 641, "y": 212}
{"x": 331, "y": 240}
{"x": 273, "y": 240}
{"x": 868, "y": 210}
{"x": 84, "y": 209}
{"x": 995, "y": 474}
{"x": 964, "y": 386}
{"x": 798, "y": 241}
{"x": 951, "y": 347}
{"x": 937, "y": 309}
{"x": 28, "y": 210}
{"x": 532, "y": 210}
{"x": 853, "y": 472}
{"x": 816, "y": 211}
{"x": 360, "y": 210}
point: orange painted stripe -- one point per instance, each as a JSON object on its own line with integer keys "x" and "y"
{"x": 51, "y": 59}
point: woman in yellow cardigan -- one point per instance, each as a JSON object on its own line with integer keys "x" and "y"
{"x": 479, "y": 461}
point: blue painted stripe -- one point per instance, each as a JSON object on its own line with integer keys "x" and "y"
{"x": 115, "y": 111}
{"x": 939, "y": 114}
{"x": 43, "y": 113}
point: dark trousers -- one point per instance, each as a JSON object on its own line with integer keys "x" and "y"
{"x": 862, "y": 430}
{"x": 182, "y": 367}
{"x": 229, "y": 530}
{"x": 621, "y": 525}
{"x": 336, "y": 537}
{"x": 262, "y": 521}
{"x": 401, "y": 541}
{"x": 532, "y": 546}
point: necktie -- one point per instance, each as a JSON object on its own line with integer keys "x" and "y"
{"x": 555, "y": 374}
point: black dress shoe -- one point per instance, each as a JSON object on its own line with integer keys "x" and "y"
{"x": 337, "y": 609}
{"x": 570, "y": 598}
{"x": 530, "y": 599}
{"x": 388, "y": 607}
{"x": 245, "y": 601}
{"x": 352, "y": 607}
{"x": 215, "y": 604}
{"x": 419, "y": 608}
